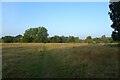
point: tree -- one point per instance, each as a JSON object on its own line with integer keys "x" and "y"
{"x": 115, "y": 17}
{"x": 96, "y": 40}
{"x": 36, "y": 35}
{"x": 27, "y": 38}
{"x": 8, "y": 39}
{"x": 62, "y": 39}
{"x": 89, "y": 39}
{"x": 17, "y": 38}
{"x": 77, "y": 40}
{"x": 104, "y": 39}
{"x": 55, "y": 39}
{"x": 42, "y": 35}
{"x": 111, "y": 40}
{"x": 30, "y": 35}
{"x": 66, "y": 39}
{"x": 71, "y": 39}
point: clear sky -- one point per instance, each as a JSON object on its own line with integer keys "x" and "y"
{"x": 60, "y": 18}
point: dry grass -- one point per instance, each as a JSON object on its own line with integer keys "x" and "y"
{"x": 59, "y": 60}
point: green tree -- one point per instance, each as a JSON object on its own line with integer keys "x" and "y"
{"x": 111, "y": 40}
{"x": 115, "y": 17}
{"x": 71, "y": 39}
{"x": 30, "y": 35}
{"x": 42, "y": 35}
{"x": 62, "y": 39}
{"x": 96, "y": 40}
{"x": 36, "y": 35}
{"x": 104, "y": 39}
{"x": 77, "y": 40}
{"x": 8, "y": 39}
{"x": 27, "y": 39}
{"x": 89, "y": 39}
{"x": 66, "y": 39}
{"x": 17, "y": 38}
{"x": 55, "y": 39}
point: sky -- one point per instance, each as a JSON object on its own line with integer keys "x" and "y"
{"x": 80, "y": 19}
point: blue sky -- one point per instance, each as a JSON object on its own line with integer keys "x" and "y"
{"x": 60, "y": 18}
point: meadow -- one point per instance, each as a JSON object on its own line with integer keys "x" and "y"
{"x": 59, "y": 60}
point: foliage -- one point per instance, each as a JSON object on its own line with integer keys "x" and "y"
{"x": 64, "y": 39}
{"x": 36, "y": 35}
{"x": 17, "y": 38}
{"x": 11, "y": 39}
{"x": 40, "y": 35}
{"x": 103, "y": 39}
{"x": 8, "y": 39}
{"x": 55, "y": 39}
{"x": 115, "y": 17}
{"x": 89, "y": 39}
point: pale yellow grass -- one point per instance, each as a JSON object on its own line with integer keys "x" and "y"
{"x": 48, "y": 45}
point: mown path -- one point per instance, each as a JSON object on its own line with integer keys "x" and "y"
{"x": 48, "y": 64}
{"x": 52, "y": 67}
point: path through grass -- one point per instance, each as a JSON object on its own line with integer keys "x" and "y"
{"x": 59, "y": 61}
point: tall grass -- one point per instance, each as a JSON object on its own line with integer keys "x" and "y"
{"x": 55, "y": 60}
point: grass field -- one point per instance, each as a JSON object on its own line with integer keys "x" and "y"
{"x": 59, "y": 60}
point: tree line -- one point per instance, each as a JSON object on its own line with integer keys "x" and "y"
{"x": 40, "y": 35}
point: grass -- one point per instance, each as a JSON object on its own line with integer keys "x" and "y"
{"x": 59, "y": 60}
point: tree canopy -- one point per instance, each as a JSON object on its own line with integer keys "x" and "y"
{"x": 36, "y": 35}
{"x": 115, "y": 17}
{"x": 8, "y": 39}
{"x": 89, "y": 39}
